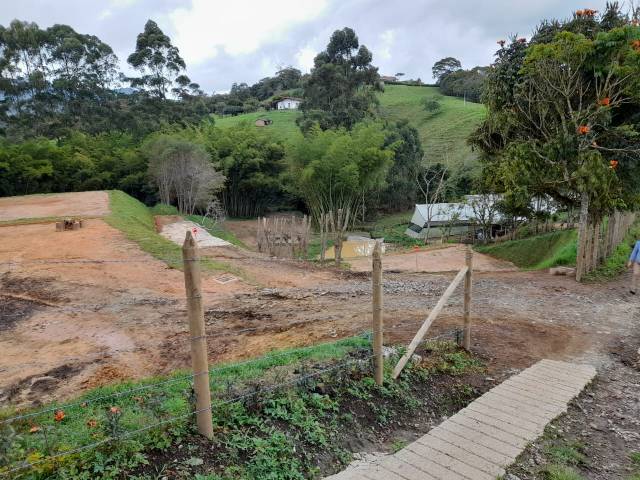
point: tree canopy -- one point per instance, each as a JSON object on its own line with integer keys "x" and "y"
{"x": 157, "y": 59}
{"x": 562, "y": 112}
{"x": 335, "y": 169}
{"x": 444, "y": 67}
{"x": 340, "y": 91}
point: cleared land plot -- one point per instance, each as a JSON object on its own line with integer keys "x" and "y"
{"x": 445, "y": 259}
{"x": 81, "y": 204}
{"x": 283, "y": 126}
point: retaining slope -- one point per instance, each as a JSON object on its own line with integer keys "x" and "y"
{"x": 481, "y": 440}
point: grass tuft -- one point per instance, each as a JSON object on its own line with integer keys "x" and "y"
{"x": 561, "y": 472}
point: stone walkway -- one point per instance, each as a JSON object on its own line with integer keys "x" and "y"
{"x": 479, "y": 441}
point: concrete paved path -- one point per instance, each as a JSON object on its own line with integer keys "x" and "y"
{"x": 479, "y": 441}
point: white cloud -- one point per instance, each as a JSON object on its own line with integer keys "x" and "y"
{"x": 387, "y": 38}
{"x": 305, "y": 57}
{"x": 115, "y": 5}
{"x": 239, "y": 28}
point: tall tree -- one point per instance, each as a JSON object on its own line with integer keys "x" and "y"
{"x": 340, "y": 91}
{"x": 562, "y": 114}
{"x": 157, "y": 59}
{"x": 444, "y": 67}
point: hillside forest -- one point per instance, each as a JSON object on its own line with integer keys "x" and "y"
{"x": 560, "y": 119}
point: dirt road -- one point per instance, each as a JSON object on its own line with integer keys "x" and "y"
{"x": 446, "y": 259}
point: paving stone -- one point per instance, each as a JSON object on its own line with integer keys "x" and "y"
{"x": 511, "y": 418}
{"x": 529, "y": 401}
{"x": 493, "y": 456}
{"x": 404, "y": 469}
{"x": 549, "y": 381}
{"x": 378, "y": 472}
{"x": 525, "y": 434}
{"x": 516, "y": 409}
{"x": 540, "y": 390}
{"x": 482, "y": 439}
{"x": 434, "y": 469}
{"x": 462, "y": 455}
{"x": 498, "y": 434}
{"x": 539, "y": 396}
{"x": 450, "y": 462}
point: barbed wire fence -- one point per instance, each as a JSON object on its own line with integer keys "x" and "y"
{"x": 38, "y": 422}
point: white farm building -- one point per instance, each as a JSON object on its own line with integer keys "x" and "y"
{"x": 288, "y": 103}
{"x": 457, "y": 217}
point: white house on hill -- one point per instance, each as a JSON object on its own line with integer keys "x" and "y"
{"x": 289, "y": 103}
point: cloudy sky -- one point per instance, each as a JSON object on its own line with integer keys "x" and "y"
{"x": 225, "y": 41}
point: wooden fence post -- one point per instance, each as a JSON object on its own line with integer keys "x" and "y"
{"x": 376, "y": 280}
{"x": 582, "y": 236}
{"x": 199, "y": 361}
{"x": 467, "y": 299}
{"x": 427, "y": 323}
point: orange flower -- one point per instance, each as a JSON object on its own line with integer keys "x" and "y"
{"x": 115, "y": 410}
{"x": 605, "y": 101}
{"x": 579, "y": 13}
{"x": 584, "y": 129}
{"x": 92, "y": 423}
{"x": 636, "y": 44}
{"x": 613, "y": 164}
{"x": 588, "y": 12}
{"x": 58, "y": 416}
{"x": 34, "y": 429}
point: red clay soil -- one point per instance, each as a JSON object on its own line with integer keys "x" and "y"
{"x": 77, "y": 204}
{"x": 69, "y": 326}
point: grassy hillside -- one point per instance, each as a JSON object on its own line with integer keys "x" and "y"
{"x": 539, "y": 252}
{"x": 283, "y": 126}
{"x": 136, "y": 221}
{"x": 444, "y": 134}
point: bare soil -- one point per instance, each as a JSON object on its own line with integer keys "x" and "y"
{"x": 69, "y": 326}
{"x": 76, "y": 204}
{"x": 447, "y": 259}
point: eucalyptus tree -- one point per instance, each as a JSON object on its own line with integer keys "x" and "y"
{"x": 157, "y": 59}
{"x": 340, "y": 90}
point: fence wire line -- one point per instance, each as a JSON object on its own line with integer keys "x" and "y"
{"x": 166, "y": 382}
{"x": 298, "y": 380}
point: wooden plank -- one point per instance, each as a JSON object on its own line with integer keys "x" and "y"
{"x": 429, "y": 320}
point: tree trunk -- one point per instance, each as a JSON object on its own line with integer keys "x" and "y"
{"x": 582, "y": 235}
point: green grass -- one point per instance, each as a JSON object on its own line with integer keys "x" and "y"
{"x": 283, "y": 126}
{"x": 136, "y": 221}
{"x": 88, "y": 419}
{"x": 391, "y": 228}
{"x": 539, "y": 252}
{"x": 444, "y": 134}
{"x": 567, "y": 454}
{"x": 561, "y": 472}
{"x": 616, "y": 264}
